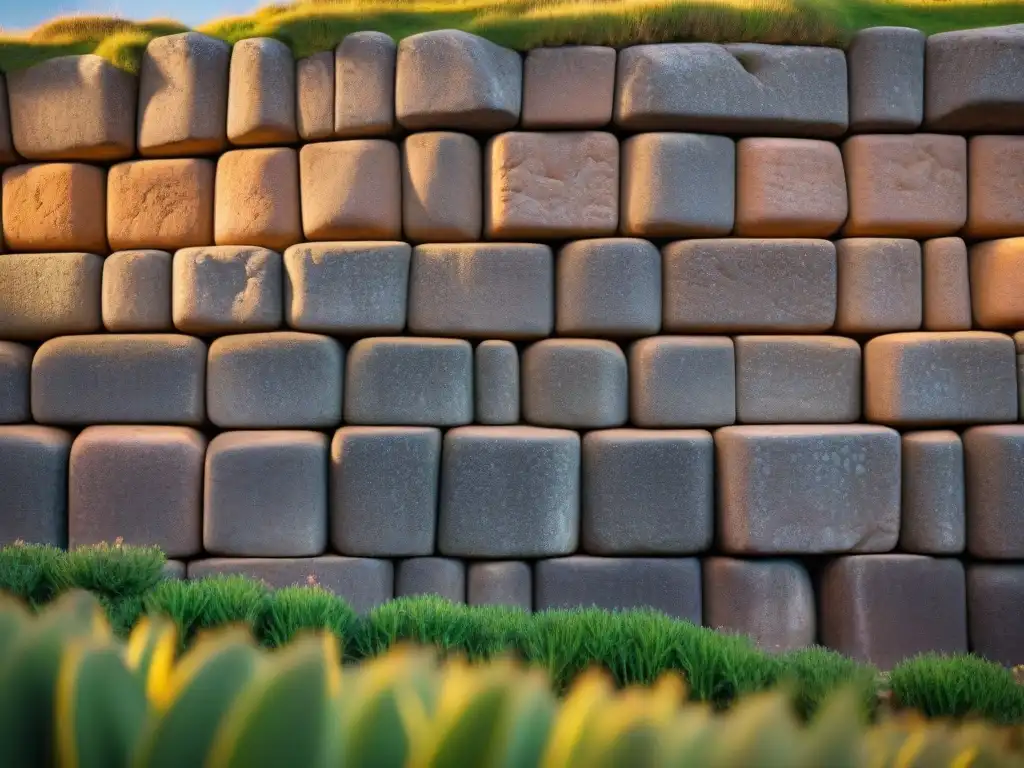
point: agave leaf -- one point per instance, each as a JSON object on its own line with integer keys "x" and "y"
{"x": 151, "y": 652}
{"x": 465, "y": 728}
{"x": 14, "y": 620}
{"x": 834, "y": 738}
{"x": 575, "y": 718}
{"x": 759, "y": 732}
{"x": 688, "y": 740}
{"x": 527, "y": 723}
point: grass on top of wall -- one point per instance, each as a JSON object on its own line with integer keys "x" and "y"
{"x": 635, "y": 646}
{"x": 311, "y": 26}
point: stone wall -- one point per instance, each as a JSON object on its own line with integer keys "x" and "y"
{"x": 723, "y": 330}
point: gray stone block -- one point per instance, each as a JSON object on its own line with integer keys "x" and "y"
{"x": 509, "y": 492}
{"x": 994, "y": 596}
{"x": 409, "y": 381}
{"x": 395, "y": 518}
{"x": 43, "y": 295}
{"x": 34, "y": 476}
{"x": 995, "y": 491}
{"x": 261, "y": 93}
{"x": 120, "y": 379}
{"x": 508, "y": 583}
{"x": 137, "y": 291}
{"x": 946, "y": 287}
{"x": 174, "y": 569}
{"x": 442, "y": 187}
{"x": 879, "y": 285}
{"x": 364, "y": 85}
{"x": 496, "y": 382}
{"x": 933, "y": 517}
{"x": 575, "y": 383}
{"x": 265, "y": 494}
{"x": 431, "y": 576}
{"x": 886, "y": 79}
{"x": 15, "y": 376}
{"x": 314, "y": 85}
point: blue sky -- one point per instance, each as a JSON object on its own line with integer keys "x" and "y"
{"x": 25, "y": 14}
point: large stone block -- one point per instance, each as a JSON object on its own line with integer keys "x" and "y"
{"x": 509, "y": 492}
{"x": 995, "y": 491}
{"x": 439, "y": 576}
{"x": 921, "y": 379}
{"x": 882, "y": 609}
{"x": 994, "y": 597}
{"x": 257, "y": 198}
{"x": 261, "y": 93}
{"x": 265, "y": 494}
{"x": 997, "y": 283}
{"x": 995, "y": 186}
{"x": 409, "y": 381}
{"x": 1018, "y": 339}
{"x": 808, "y": 489}
{"x": 746, "y": 286}
{"x": 946, "y": 287}
{"x": 7, "y": 154}
{"x": 742, "y": 88}
{"x": 886, "y": 79}
{"x": 396, "y": 518}
{"x": 571, "y": 86}
{"x": 15, "y": 374}
{"x": 508, "y": 583}
{"x": 474, "y": 290}
{"x": 43, "y": 295}
{"x": 933, "y": 521}
{"x": 143, "y": 485}
{"x": 119, "y": 379}
{"x": 442, "y": 187}
{"x": 314, "y": 104}
{"x": 364, "y": 85}
{"x": 576, "y": 383}
{"x": 347, "y": 288}
{"x": 496, "y": 382}
{"x": 551, "y": 185}
{"x": 137, "y": 291}
{"x": 34, "y": 476}
{"x": 274, "y": 380}
{"x": 73, "y": 108}
{"x": 175, "y": 570}
{"x": 453, "y": 79}
{"x": 55, "y": 207}
{"x": 879, "y": 285}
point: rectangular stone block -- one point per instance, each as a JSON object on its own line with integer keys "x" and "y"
{"x": 43, "y": 295}
{"x": 55, "y": 207}
{"x": 995, "y": 186}
{"x": 442, "y": 187}
{"x": 946, "y": 286}
{"x": 364, "y": 85}
{"x": 508, "y": 583}
{"x": 807, "y": 489}
{"x": 314, "y": 86}
{"x": 438, "y": 576}
{"x": 933, "y": 521}
{"x": 137, "y": 291}
{"x": 261, "y": 93}
{"x": 175, "y": 569}
{"x": 995, "y": 491}
{"x": 7, "y": 154}
{"x": 994, "y": 596}
{"x": 576, "y": 383}
{"x": 997, "y": 283}
{"x": 568, "y": 87}
{"x": 34, "y": 476}
{"x": 886, "y": 79}
{"x": 496, "y": 382}
{"x": 15, "y": 373}
{"x": 257, "y": 198}
{"x": 879, "y": 285}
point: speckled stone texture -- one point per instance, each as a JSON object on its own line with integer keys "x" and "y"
{"x": 879, "y": 285}
{"x": 439, "y": 576}
{"x": 997, "y": 283}
{"x": 257, "y": 198}
{"x": 496, "y": 382}
{"x": 575, "y": 383}
{"x": 137, "y": 291}
{"x": 933, "y": 510}
{"x": 946, "y": 287}
{"x": 886, "y": 79}
{"x": 43, "y": 295}
{"x": 508, "y": 583}
{"x": 995, "y": 491}
{"x": 15, "y": 373}
{"x": 568, "y": 87}
{"x": 364, "y": 85}
{"x": 33, "y": 474}
{"x": 995, "y": 186}
{"x": 55, "y": 207}
{"x": 994, "y": 595}
{"x": 261, "y": 93}
{"x": 314, "y": 86}
{"x": 442, "y": 187}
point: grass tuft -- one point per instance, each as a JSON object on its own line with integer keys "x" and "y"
{"x": 958, "y": 686}
{"x": 34, "y": 573}
{"x": 115, "y": 571}
{"x": 293, "y": 610}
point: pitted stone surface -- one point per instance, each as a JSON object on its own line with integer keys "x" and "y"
{"x": 261, "y": 93}
{"x": 442, "y": 187}
{"x": 879, "y": 285}
{"x": 34, "y": 474}
{"x": 933, "y": 521}
{"x": 568, "y": 87}
{"x": 995, "y": 491}
{"x": 438, "y": 576}
{"x": 43, "y": 295}
{"x": 579, "y": 383}
{"x": 137, "y": 291}
{"x": 257, "y": 198}
{"x": 995, "y": 186}
{"x": 994, "y": 595}
{"x": 55, "y": 207}
{"x": 508, "y": 583}
{"x": 886, "y": 79}
{"x": 496, "y": 382}
{"x": 997, "y": 282}
{"x": 7, "y": 154}
{"x": 15, "y": 374}
{"x": 364, "y": 85}
{"x": 314, "y": 85}
{"x": 946, "y": 287}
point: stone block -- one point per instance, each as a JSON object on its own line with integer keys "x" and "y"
{"x": 995, "y": 186}
{"x": 647, "y": 492}
{"x": 226, "y": 289}
{"x": 136, "y": 294}
{"x": 7, "y": 154}
{"x": 933, "y": 521}
{"x": 882, "y": 609}
{"x": 509, "y": 492}
{"x": 575, "y": 383}
{"x": 496, "y": 382}
{"x": 886, "y": 79}
{"x": 769, "y": 601}
{"x": 351, "y": 190}
{"x": 143, "y": 485}
{"x": 15, "y": 374}
{"x": 34, "y": 476}
{"x": 409, "y": 381}
{"x": 453, "y": 79}
{"x": 906, "y": 186}
{"x": 438, "y": 576}
{"x": 678, "y": 185}
{"x": 442, "y": 187}
{"x": 364, "y": 85}
{"x": 73, "y": 108}
{"x": 997, "y": 280}
{"x": 120, "y": 379}
{"x": 946, "y": 286}
{"x": 682, "y": 381}
{"x": 508, "y": 583}
{"x": 261, "y": 93}
{"x": 797, "y": 379}
{"x": 482, "y": 290}
{"x": 742, "y": 285}
{"x": 743, "y": 88}
{"x": 396, "y": 518}
{"x": 994, "y": 597}
{"x": 43, "y": 295}
{"x": 957, "y": 377}
{"x": 568, "y": 87}
{"x": 164, "y": 204}
{"x": 314, "y": 87}
{"x": 274, "y": 380}
{"x": 995, "y": 491}
{"x": 551, "y": 185}
{"x": 789, "y": 188}
{"x": 879, "y": 285}
{"x": 257, "y": 198}
{"x": 183, "y": 96}
{"x": 265, "y": 494}
{"x": 175, "y": 569}
{"x": 347, "y": 288}
{"x": 807, "y": 489}
{"x": 55, "y": 207}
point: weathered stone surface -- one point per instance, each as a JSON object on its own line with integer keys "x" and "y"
{"x": 481, "y": 290}
{"x": 647, "y": 492}
{"x": 789, "y": 188}
{"x": 7, "y": 154}
{"x": 994, "y": 596}
{"x": 257, "y": 198}
{"x": 946, "y": 287}
{"x": 119, "y": 379}
{"x": 997, "y": 282}
{"x": 879, "y": 285}
{"x": 995, "y": 491}
{"x": 396, "y": 518}
{"x": 453, "y": 79}
{"x": 746, "y": 285}
{"x": 442, "y": 187}
{"x": 678, "y": 185}
{"x": 808, "y": 489}
{"x": 797, "y": 379}
{"x": 351, "y": 190}
{"x": 183, "y": 96}
{"x": 314, "y": 86}
{"x": 73, "y": 108}
{"x": 33, "y": 474}
{"x": 347, "y": 288}
{"x": 933, "y": 520}
{"x": 409, "y": 381}
{"x": 1018, "y": 339}
{"x": 508, "y": 583}
{"x": 55, "y": 207}
{"x": 570, "y": 86}
{"x": 136, "y": 293}
{"x": 261, "y": 93}
{"x": 575, "y": 383}
{"x": 886, "y": 79}
{"x": 906, "y": 186}
{"x": 160, "y": 204}
{"x": 958, "y": 377}
{"x": 43, "y": 295}
{"x": 175, "y": 569}
{"x": 496, "y": 382}
{"x": 364, "y": 85}
{"x": 282, "y": 379}
{"x": 741, "y": 88}
{"x": 509, "y": 492}
{"x": 770, "y": 601}
{"x": 15, "y": 373}
{"x": 995, "y": 186}
{"x": 143, "y": 485}
{"x": 226, "y": 289}
{"x": 438, "y": 576}
{"x": 883, "y": 609}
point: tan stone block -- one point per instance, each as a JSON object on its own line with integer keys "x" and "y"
{"x": 314, "y": 85}
{"x": 946, "y": 286}
{"x": 879, "y": 285}
{"x": 43, "y": 295}
{"x": 261, "y": 93}
{"x": 997, "y": 283}
{"x": 55, "y": 207}
{"x": 7, "y": 153}
{"x": 568, "y": 87}
{"x": 137, "y": 291}
{"x": 364, "y": 85}
{"x": 161, "y": 204}
{"x": 257, "y": 198}
{"x": 995, "y": 187}
{"x": 552, "y": 185}
{"x": 442, "y": 187}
